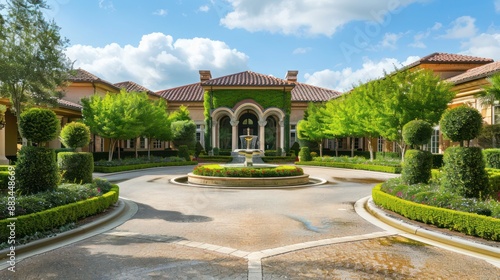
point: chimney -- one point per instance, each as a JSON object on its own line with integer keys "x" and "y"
{"x": 205, "y": 75}
{"x": 291, "y": 76}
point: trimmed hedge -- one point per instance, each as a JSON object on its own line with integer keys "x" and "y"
{"x": 437, "y": 161}
{"x": 131, "y": 154}
{"x": 492, "y": 158}
{"x": 59, "y": 216}
{"x": 416, "y": 167}
{"x": 369, "y": 167}
{"x": 76, "y": 167}
{"x": 463, "y": 171}
{"x": 468, "y": 223}
{"x": 216, "y": 170}
{"x": 111, "y": 169}
{"x": 305, "y": 154}
{"x": 36, "y": 170}
{"x": 220, "y": 159}
{"x": 184, "y": 152}
{"x": 278, "y": 159}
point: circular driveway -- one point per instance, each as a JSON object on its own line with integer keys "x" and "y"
{"x": 182, "y": 232}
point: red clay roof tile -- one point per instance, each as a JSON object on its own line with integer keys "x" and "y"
{"x": 479, "y": 72}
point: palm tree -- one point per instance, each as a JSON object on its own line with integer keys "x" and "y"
{"x": 491, "y": 94}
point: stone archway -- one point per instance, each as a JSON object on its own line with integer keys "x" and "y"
{"x": 248, "y": 123}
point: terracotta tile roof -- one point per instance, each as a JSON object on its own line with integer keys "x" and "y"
{"x": 305, "y": 92}
{"x": 479, "y": 72}
{"x": 301, "y": 92}
{"x": 450, "y": 58}
{"x": 247, "y": 78}
{"x": 131, "y": 86}
{"x": 192, "y": 93}
{"x": 69, "y": 104}
{"x": 81, "y": 75}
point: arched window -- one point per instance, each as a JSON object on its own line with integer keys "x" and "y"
{"x": 225, "y": 133}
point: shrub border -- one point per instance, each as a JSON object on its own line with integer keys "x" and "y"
{"x": 468, "y": 223}
{"x": 59, "y": 216}
{"x": 369, "y": 167}
{"x": 112, "y": 169}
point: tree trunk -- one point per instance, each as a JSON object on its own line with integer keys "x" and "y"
{"x": 137, "y": 142}
{"x": 352, "y": 146}
{"x": 321, "y": 149}
{"x": 119, "y": 146}
{"x": 370, "y": 148}
{"x": 150, "y": 140}
{"x": 336, "y": 147}
{"x": 111, "y": 148}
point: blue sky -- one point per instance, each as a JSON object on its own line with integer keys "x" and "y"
{"x": 334, "y": 44}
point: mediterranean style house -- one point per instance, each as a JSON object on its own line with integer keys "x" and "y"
{"x": 224, "y": 108}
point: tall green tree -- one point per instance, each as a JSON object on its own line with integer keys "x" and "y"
{"x": 409, "y": 95}
{"x": 314, "y": 128}
{"x": 115, "y": 116}
{"x": 157, "y": 123}
{"x": 32, "y": 60}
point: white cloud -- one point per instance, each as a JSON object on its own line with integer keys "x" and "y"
{"x": 106, "y": 4}
{"x": 302, "y": 50}
{"x": 420, "y": 36}
{"x": 483, "y": 45}
{"x": 345, "y": 79}
{"x": 159, "y": 62}
{"x": 297, "y": 17}
{"x": 390, "y": 41}
{"x": 462, "y": 27}
{"x": 160, "y": 12}
{"x": 204, "y": 8}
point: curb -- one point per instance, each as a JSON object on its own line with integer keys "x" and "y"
{"x": 124, "y": 211}
{"x": 426, "y": 233}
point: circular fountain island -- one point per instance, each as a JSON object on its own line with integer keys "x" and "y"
{"x": 247, "y": 170}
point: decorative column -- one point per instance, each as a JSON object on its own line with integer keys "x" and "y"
{"x": 282, "y": 134}
{"x": 234, "y": 140}
{"x": 215, "y": 144}
{"x": 262, "y": 135}
{"x": 3, "y": 159}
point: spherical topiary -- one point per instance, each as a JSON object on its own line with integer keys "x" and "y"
{"x": 461, "y": 124}
{"x": 417, "y": 132}
{"x": 75, "y": 135}
{"x": 39, "y": 125}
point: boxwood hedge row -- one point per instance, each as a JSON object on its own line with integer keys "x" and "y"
{"x": 58, "y": 216}
{"x": 369, "y": 167}
{"x": 111, "y": 169}
{"x": 468, "y": 223}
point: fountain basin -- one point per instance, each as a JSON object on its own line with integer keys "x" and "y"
{"x": 252, "y": 182}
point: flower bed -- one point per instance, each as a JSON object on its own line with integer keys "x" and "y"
{"x": 217, "y": 170}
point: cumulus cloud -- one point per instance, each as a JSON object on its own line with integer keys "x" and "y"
{"x": 483, "y": 45}
{"x": 420, "y": 36}
{"x": 462, "y": 27}
{"x": 293, "y": 17}
{"x": 302, "y": 50}
{"x": 204, "y": 8}
{"x": 158, "y": 61}
{"x": 345, "y": 79}
{"x": 160, "y": 12}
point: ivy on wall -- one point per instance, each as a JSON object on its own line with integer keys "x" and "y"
{"x": 229, "y": 98}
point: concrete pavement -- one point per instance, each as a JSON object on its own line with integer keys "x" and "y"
{"x": 188, "y": 233}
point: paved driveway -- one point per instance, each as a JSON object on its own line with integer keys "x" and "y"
{"x": 182, "y": 232}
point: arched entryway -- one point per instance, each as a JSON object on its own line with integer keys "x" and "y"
{"x": 248, "y": 124}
